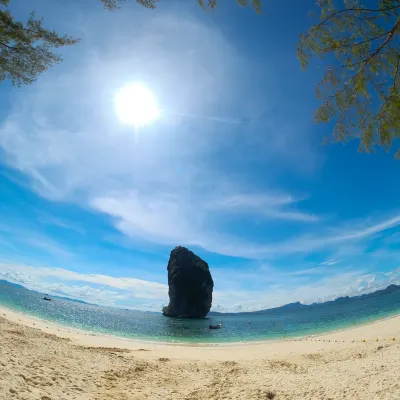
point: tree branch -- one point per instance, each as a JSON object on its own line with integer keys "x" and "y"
{"x": 354, "y": 9}
{"x": 367, "y": 61}
{"x": 383, "y": 109}
{"x": 364, "y": 41}
{"x": 8, "y": 47}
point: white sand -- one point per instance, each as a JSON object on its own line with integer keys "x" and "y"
{"x": 41, "y": 360}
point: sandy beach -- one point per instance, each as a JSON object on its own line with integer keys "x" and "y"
{"x": 40, "y": 360}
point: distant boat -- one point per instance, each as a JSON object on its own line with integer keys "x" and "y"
{"x": 47, "y": 298}
{"x": 218, "y": 326}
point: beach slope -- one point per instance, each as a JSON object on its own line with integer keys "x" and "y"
{"x": 41, "y": 361}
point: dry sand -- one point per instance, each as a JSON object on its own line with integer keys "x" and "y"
{"x": 43, "y": 361}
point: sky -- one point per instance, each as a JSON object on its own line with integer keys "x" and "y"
{"x": 234, "y": 168}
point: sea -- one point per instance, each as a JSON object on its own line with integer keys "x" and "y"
{"x": 148, "y": 326}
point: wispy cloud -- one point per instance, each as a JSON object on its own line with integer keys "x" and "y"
{"x": 330, "y": 262}
{"x": 95, "y": 288}
{"x": 211, "y": 173}
{"x": 61, "y": 223}
{"x": 343, "y": 235}
{"x": 148, "y": 295}
{"x": 14, "y": 234}
{"x": 349, "y": 283}
{"x": 158, "y": 184}
{"x": 309, "y": 271}
{"x": 370, "y": 230}
{"x": 175, "y": 182}
{"x": 265, "y": 206}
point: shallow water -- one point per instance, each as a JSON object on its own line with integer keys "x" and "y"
{"x": 147, "y": 326}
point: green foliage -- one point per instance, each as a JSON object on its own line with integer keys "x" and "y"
{"x": 361, "y": 88}
{"x": 112, "y": 5}
{"x": 165, "y": 310}
{"x": 26, "y": 48}
{"x": 205, "y": 4}
{"x": 212, "y": 4}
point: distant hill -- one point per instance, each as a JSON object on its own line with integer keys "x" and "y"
{"x": 299, "y": 307}
{"x": 17, "y": 286}
{"x": 12, "y": 284}
{"x": 377, "y": 293}
{"x": 20, "y": 287}
{"x": 286, "y": 308}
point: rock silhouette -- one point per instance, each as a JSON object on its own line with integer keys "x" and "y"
{"x": 190, "y": 285}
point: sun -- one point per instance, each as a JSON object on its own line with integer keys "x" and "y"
{"x": 136, "y": 105}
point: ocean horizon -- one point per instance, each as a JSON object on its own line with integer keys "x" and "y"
{"x": 279, "y": 323}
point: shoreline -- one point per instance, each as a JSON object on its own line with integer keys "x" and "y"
{"x": 353, "y": 334}
{"x": 42, "y": 360}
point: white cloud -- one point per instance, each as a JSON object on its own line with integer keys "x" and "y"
{"x": 59, "y": 222}
{"x": 171, "y": 219}
{"x": 15, "y": 234}
{"x": 151, "y": 296}
{"x": 142, "y": 288}
{"x": 269, "y": 206}
{"x": 165, "y": 184}
{"x": 330, "y": 262}
{"x": 310, "y": 271}
{"x": 158, "y": 184}
{"x": 349, "y": 283}
{"x": 94, "y": 288}
{"x": 344, "y": 236}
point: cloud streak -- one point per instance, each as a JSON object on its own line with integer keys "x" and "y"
{"x": 94, "y": 288}
{"x": 308, "y": 243}
{"x": 155, "y": 185}
{"x": 151, "y": 296}
{"x": 14, "y": 234}
{"x": 175, "y": 182}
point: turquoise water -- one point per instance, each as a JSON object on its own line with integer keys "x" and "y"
{"x": 147, "y": 326}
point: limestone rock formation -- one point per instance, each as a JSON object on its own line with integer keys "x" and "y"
{"x": 190, "y": 285}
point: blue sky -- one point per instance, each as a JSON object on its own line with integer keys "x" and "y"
{"x": 234, "y": 168}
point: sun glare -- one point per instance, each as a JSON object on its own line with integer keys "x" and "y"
{"x": 136, "y": 105}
